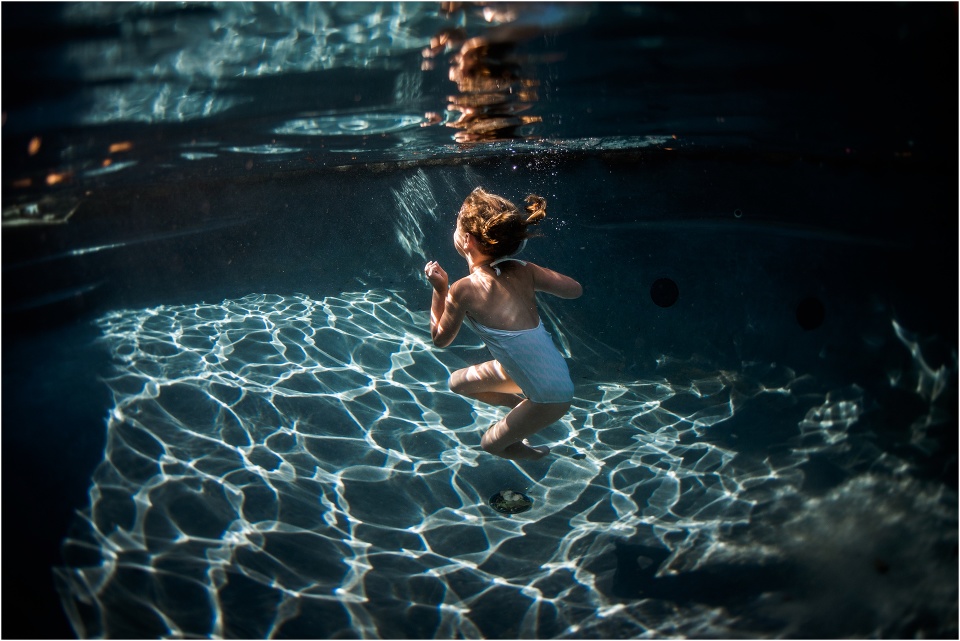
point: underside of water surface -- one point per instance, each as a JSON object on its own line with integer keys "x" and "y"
{"x": 223, "y": 414}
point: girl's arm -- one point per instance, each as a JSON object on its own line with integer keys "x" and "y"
{"x": 551, "y": 282}
{"x": 446, "y": 314}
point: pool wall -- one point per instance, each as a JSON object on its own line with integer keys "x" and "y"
{"x": 767, "y": 254}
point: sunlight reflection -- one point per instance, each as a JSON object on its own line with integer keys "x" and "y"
{"x": 307, "y": 456}
{"x": 931, "y": 385}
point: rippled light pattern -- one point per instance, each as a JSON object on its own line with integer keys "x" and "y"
{"x": 283, "y": 466}
{"x": 414, "y": 200}
{"x": 350, "y": 125}
{"x": 180, "y": 61}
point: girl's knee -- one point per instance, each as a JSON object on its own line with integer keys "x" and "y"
{"x": 489, "y": 443}
{"x": 457, "y": 383}
{"x": 486, "y": 443}
{"x": 496, "y": 439}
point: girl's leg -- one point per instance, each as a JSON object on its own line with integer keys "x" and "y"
{"x": 507, "y": 438}
{"x": 488, "y": 383}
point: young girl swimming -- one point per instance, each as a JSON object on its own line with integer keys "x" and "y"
{"x": 497, "y": 301}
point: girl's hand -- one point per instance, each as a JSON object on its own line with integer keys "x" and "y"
{"x": 435, "y": 274}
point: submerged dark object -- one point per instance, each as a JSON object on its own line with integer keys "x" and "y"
{"x": 664, "y": 292}
{"x": 510, "y": 502}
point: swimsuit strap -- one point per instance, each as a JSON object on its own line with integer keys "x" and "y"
{"x": 504, "y": 259}
{"x": 496, "y": 270}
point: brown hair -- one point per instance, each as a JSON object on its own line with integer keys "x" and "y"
{"x": 496, "y": 222}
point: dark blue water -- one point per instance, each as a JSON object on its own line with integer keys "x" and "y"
{"x": 223, "y": 417}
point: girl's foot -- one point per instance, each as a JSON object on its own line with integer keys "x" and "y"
{"x": 523, "y": 450}
{"x": 537, "y": 452}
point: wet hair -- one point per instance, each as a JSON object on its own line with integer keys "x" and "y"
{"x": 497, "y": 224}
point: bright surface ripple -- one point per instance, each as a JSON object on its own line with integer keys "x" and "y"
{"x": 289, "y": 467}
{"x": 350, "y": 125}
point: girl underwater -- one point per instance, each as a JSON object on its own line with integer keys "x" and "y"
{"x": 497, "y": 300}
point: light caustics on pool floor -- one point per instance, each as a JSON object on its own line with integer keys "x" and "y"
{"x": 288, "y": 467}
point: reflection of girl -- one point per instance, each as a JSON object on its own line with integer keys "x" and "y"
{"x": 497, "y": 300}
{"x": 492, "y": 89}
{"x": 492, "y": 92}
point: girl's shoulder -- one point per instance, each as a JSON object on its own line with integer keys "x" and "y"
{"x": 467, "y": 293}
{"x": 463, "y": 287}
{"x": 527, "y": 268}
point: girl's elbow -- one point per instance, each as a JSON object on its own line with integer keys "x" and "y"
{"x": 443, "y": 334}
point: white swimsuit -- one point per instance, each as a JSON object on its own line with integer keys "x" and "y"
{"x": 531, "y": 359}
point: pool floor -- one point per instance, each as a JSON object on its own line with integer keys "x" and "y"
{"x": 283, "y": 466}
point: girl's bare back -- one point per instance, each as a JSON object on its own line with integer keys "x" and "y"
{"x": 504, "y": 302}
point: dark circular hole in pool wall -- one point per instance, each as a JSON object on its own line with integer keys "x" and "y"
{"x": 810, "y": 313}
{"x": 664, "y": 292}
